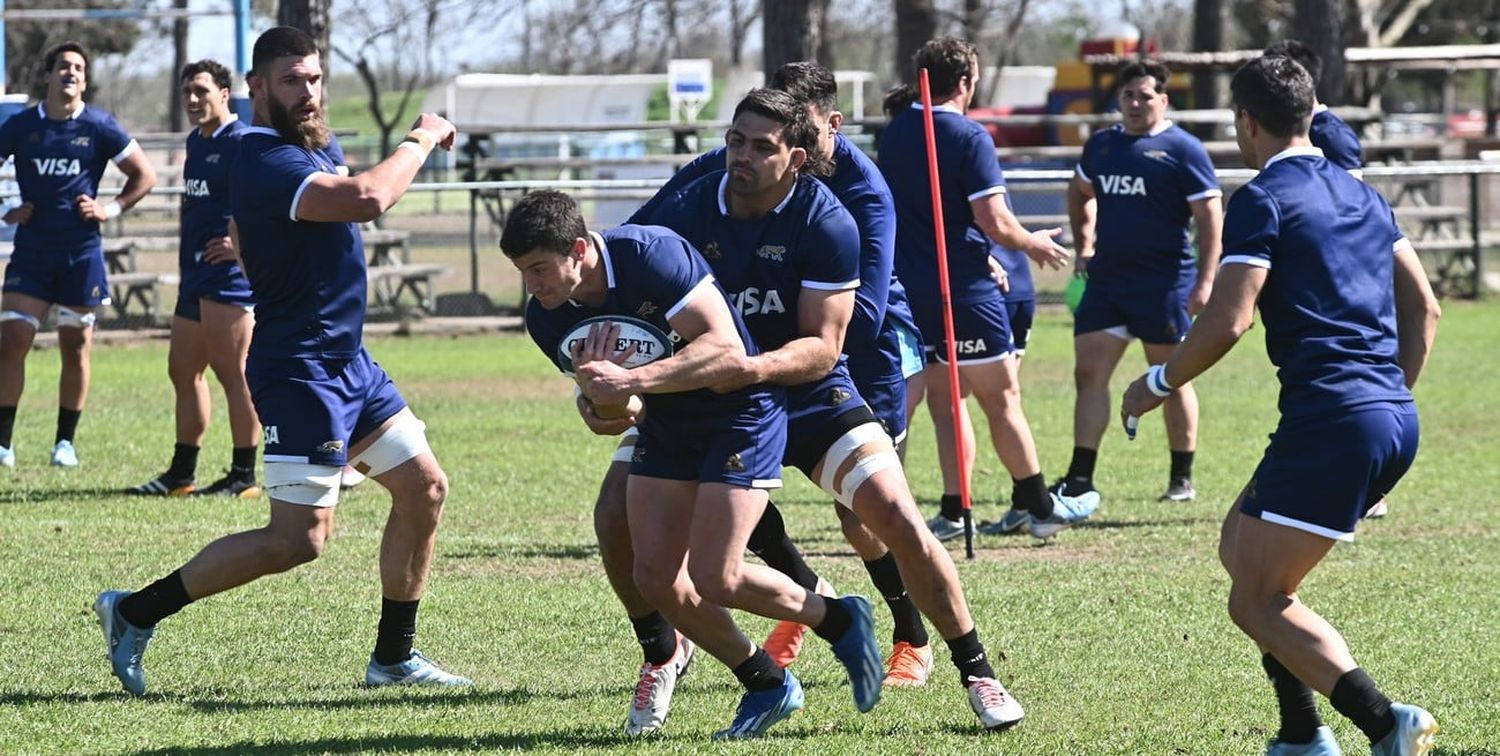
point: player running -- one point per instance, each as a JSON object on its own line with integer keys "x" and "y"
{"x": 61, "y": 148}
{"x": 1349, "y": 319}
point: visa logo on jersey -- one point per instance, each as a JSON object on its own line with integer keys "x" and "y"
{"x": 1123, "y": 185}
{"x": 753, "y": 301}
{"x": 195, "y": 187}
{"x": 58, "y": 166}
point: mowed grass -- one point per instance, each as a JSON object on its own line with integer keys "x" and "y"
{"x": 1114, "y": 637}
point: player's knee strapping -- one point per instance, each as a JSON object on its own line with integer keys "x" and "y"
{"x": 626, "y": 450}
{"x": 302, "y": 483}
{"x": 869, "y": 448}
{"x": 21, "y": 316}
{"x": 67, "y": 318}
{"x": 405, "y": 440}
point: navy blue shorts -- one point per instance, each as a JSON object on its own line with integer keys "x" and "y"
{"x": 1155, "y": 315}
{"x": 1322, "y": 476}
{"x": 818, "y": 413}
{"x": 981, "y": 330}
{"x": 313, "y": 410}
{"x": 741, "y": 448}
{"x": 224, "y": 283}
{"x": 1022, "y": 314}
{"x": 75, "y": 277}
{"x": 886, "y": 398}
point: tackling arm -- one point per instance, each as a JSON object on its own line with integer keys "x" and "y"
{"x": 823, "y": 317}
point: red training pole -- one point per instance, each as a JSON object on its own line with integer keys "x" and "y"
{"x": 947, "y": 295}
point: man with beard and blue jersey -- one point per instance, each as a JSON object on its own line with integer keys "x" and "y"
{"x": 321, "y": 398}
{"x": 787, "y": 252}
{"x": 1137, "y": 187}
{"x": 61, "y": 148}
{"x": 1349, "y": 318}
{"x": 880, "y": 329}
{"x": 977, "y": 219}
{"x": 215, "y": 311}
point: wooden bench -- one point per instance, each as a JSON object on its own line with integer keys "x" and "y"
{"x": 387, "y": 246}
{"x": 142, "y": 288}
{"x": 418, "y": 280}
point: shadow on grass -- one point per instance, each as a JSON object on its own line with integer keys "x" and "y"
{"x": 1440, "y": 751}
{"x": 43, "y": 495}
{"x": 45, "y": 699}
{"x": 542, "y": 551}
{"x": 1146, "y": 523}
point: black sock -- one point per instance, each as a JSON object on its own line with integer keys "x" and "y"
{"x": 155, "y": 602}
{"x": 1031, "y": 495}
{"x": 184, "y": 462}
{"x": 952, "y": 507}
{"x": 67, "y": 423}
{"x": 969, "y": 657}
{"x": 1299, "y": 712}
{"x": 243, "y": 459}
{"x": 658, "y": 638}
{"x": 908, "y": 621}
{"x": 1182, "y": 465}
{"x": 1083, "y": 462}
{"x": 7, "y": 425}
{"x": 759, "y": 672}
{"x": 398, "y": 626}
{"x": 769, "y": 541}
{"x": 1356, "y": 697}
{"x": 836, "y": 621}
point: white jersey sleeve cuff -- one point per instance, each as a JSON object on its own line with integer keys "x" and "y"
{"x": 1402, "y": 244}
{"x": 297, "y": 197}
{"x": 1205, "y": 194}
{"x": 706, "y": 283}
{"x": 1078, "y": 169}
{"x": 986, "y": 192}
{"x": 831, "y": 285}
{"x": 125, "y": 153}
{"x": 1259, "y": 262}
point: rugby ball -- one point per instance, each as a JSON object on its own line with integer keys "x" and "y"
{"x": 649, "y": 342}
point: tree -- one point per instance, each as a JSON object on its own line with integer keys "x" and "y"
{"x": 26, "y": 42}
{"x": 792, "y": 30}
{"x": 742, "y": 13}
{"x": 1320, "y": 24}
{"x": 312, "y": 16}
{"x": 1208, "y": 36}
{"x": 916, "y": 22}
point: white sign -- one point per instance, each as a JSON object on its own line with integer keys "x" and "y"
{"x": 690, "y": 84}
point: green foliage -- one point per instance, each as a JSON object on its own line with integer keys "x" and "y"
{"x": 27, "y": 41}
{"x": 1114, "y": 637}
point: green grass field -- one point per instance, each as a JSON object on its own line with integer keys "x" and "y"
{"x": 1114, "y": 637}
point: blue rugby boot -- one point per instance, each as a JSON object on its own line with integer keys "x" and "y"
{"x": 859, "y": 652}
{"x": 416, "y": 670}
{"x": 125, "y": 644}
{"x": 1067, "y": 511}
{"x": 759, "y": 709}
{"x": 1322, "y": 744}
{"x": 1415, "y": 731}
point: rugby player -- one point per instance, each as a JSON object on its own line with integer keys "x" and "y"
{"x": 788, "y": 253}
{"x": 704, "y": 462}
{"x": 977, "y": 218}
{"x": 214, "y": 315}
{"x": 1328, "y": 132}
{"x": 1349, "y": 319}
{"x": 321, "y": 398}
{"x": 61, "y": 148}
{"x": 1135, "y": 190}
{"x": 881, "y": 339}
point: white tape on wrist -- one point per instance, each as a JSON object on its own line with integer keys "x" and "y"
{"x": 420, "y": 152}
{"x": 1156, "y": 381}
{"x": 113, "y": 210}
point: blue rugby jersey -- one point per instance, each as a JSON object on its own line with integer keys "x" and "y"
{"x": 968, "y": 171}
{"x": 1327, "y": 240}
{"x": 1143, "y": 184}
{"x": 880, "y": 303}
{"x": 308, "y": 276}
{"x": 651, "y": 273}
{"x": 1336, "y": 139}
{"x": 55, "y": 162}
{"x": 205, "y": 196}
{"x": 807, "y": 241}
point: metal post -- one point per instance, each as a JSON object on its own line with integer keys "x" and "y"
{"x": 1476, "y": 283}
{"x": 3, "y": 82}
{"x": 239, "y": 100}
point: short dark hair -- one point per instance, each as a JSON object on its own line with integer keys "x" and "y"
{"x": 1277, "y": 92}
{"x": 1304, "y": 55}
{"x": 280, "y": 42}
{"x": 545, "y": 220}
{"x": 797, "y": 129}
{"x": 49, "y": 59}
{"x": 947, "y": 60}
{"x": 808, "y": 82}
{"x": 898, "y": 98}
{"x": 213, "y": 68}
{"x": 1136, "y": 69}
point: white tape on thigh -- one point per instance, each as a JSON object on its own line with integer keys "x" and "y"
{"x": 400, "y": 442}
{"x": 67, "y": 318}
{"x": 841, "y": 450}
{"x": 36, "y": 325}
{"x": 626, "y": 449}
{"x": 863, "y": 470}
{"x": 302, "y": 483}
